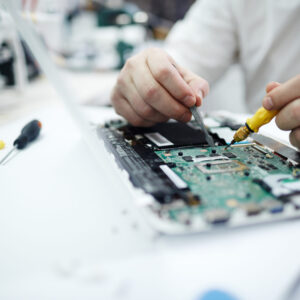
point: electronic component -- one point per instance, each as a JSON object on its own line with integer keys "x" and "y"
{"x": 279, "y": 148}
{"x": 193, "y": 200}
{"x": 214, "y": 155}
{"x": 201, "y": 158}
{"x": 232, "y": 202}
{"x": 252, "y": 208}
{"x": 261, "y": 150}
{"x": 217, "y": 216}
{"x": 189, "y": 180}
{"x": 281, "y": 185}
{"x": 273, "y": 206}
{"x": 222, "y": 166}
{"x": 229, "y": 154}
{"x": 171, "y": 134}
{"x": 178, "y": 182}
{"x": 272, "y": 167}
{"x": 187, "y": 158}
{"x": 171, "y": 165}
{"x": 261, "y": 183}
{"x": 158, "y": 139}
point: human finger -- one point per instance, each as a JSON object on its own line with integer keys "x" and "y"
{"x": 198, "y": 84}
{"x": 123, "y": 108}
{"x": 288, "y": 117}
{"x": 283, "y": 94}
{"x": 145, "y": 111}
{"x": 271, "y": 86}
{"x": 166, "y": 74}
{"x": 295, "y": 137}
{"x": 157, "y": 97}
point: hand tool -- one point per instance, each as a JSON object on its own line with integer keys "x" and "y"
{"x": 198, "y": 119}
{"x": 260, "y": 118}
{"x": 29, "y": 133}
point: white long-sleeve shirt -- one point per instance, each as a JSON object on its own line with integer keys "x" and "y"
{"x": 263, "y": 36}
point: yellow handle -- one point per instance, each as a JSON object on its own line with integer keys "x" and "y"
{"x": 2, "y": 145}
{"x": 261, "y": 117}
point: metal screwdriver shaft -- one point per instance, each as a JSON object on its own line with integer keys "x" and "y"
{"x": 7, "y": 155}
{"x": 198, "y": 119}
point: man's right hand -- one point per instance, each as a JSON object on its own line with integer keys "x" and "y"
{"x": 152, "y": 88}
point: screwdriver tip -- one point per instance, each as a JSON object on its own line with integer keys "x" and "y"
{"x": 232, "y": 142}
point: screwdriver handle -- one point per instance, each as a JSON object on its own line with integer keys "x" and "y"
{"x": 28, "y": 134}
{"x": 261, "y": 117}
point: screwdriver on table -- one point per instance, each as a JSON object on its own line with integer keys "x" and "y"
{"x": 28, "y": 134}
{"x": 260, "y": 118}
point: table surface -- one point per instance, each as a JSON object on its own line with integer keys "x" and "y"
{"x": 66, "y": 235}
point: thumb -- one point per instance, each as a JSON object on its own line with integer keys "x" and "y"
{"x": 198, "y": 84}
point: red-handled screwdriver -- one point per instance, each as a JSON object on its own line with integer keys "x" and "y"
{"x": 28, "y": 134}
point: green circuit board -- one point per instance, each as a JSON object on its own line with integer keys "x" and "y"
{"x": 196, "y": 186}
{"x": 225, "y": 184}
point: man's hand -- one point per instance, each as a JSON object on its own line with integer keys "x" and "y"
{"x": 286, "y": 98}
{"x": 152, "y": 88}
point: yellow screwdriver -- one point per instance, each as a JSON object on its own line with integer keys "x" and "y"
{"x": 260, "y": 118}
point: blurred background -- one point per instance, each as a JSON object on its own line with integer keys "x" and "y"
{"x": 171, "y": 10}
{"x": 90, "y": 41}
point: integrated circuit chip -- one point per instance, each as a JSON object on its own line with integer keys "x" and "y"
{"x": 187, "y": 158}
{"x": 229, "y": 154}
{"x": 222, "y": 166}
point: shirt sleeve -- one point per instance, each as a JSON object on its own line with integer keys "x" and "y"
{"x": 206, "y": 40}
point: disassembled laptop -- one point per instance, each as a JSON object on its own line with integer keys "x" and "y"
{"x": 195, "y": 187}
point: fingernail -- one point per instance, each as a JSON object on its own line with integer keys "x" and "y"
{"x": 199, "y": 98}
{"x": 200, "y": 94}
{"x": 189, "y": 101}
{"x": 186, "y": 117}
{"x": 268, "y": 103}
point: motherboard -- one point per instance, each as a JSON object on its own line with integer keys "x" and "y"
{"x": 196, "y": 187}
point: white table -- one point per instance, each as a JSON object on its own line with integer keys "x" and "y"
{"x": 64, "y": 237}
